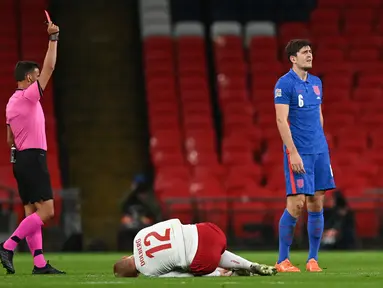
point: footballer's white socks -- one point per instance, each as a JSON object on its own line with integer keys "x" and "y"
{"x": 231, "y": 261}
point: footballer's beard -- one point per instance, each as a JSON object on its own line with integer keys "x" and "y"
{"x": 307, "y": 66}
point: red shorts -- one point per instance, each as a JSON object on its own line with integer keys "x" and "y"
{"x": 211, "y": 245}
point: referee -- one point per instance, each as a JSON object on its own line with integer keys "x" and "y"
{"x": 26, "y": 136}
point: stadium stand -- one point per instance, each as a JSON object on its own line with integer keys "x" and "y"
{"x": 9, "y": 56}
{"x": 248, "y": 58}
{"x": 163, "y": 106}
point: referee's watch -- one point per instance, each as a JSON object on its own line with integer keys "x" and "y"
{"x": 54, "y": 37}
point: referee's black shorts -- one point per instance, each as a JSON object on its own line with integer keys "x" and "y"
{"x": 32, "y": 176}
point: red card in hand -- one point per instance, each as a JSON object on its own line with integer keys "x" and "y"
{"x": 48, "y": 17}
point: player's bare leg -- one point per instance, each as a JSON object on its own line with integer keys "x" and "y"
{"x": 243, "y": 267}
{"x": 294, "y": 207}
{"x": 315, "y": 229}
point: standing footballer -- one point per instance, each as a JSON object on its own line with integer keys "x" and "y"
{"x": 308, "y": 173}
{"x": 26, "y": 132}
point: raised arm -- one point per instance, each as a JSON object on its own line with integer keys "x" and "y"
{"x": 50, "y": 57}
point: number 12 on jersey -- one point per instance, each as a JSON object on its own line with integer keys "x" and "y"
{"x": 160, "y": 238}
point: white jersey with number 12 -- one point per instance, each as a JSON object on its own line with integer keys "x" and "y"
{"x": 160, "y": 249}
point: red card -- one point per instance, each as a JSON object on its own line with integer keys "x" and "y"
{"x": 48, "y": 17}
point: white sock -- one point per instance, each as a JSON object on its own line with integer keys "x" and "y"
{"x": 231, "y": 261}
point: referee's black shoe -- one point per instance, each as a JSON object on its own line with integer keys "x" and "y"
{"x": 6, "y": 257}
{"x": 47, "y": 269}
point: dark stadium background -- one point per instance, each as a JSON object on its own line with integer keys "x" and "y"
{"x": 183, "y": 94}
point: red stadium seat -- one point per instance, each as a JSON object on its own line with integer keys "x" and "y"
{"x": 367, "y": 94}
{"x": 368, "y": 54}
{"x": 332, "y": 3}
{"x": 341, "y": 120}
{"x": 158, "y": 43}
{"x": 228, "y": 42}
{"x": 196, "y": 122}
{"x": 368, "y": 66}
{"x": 206, "y": 158}
{"x": 376, "y": 139}
{"x": 293, "y": 30}
{"x": 324, "y": 29}
{"x": 166, "y": 140}
{"x": 200, "y": 140}
{"x": 357, "y": 29}
{"x": 370, "y": 80}
{"x": 360, "y": 15}
{"x": 197, "y": 94}
{"x": 367, "y": 222}
{"x": 371, "y": 120}
{"x": 177, "y": 191}
{"x": 181, "y": 173}
{"x": 273, "y": 68}
{"x": 240, "y": 107}
{"x": 249, "y": 213}
{"x": 212, "y": 202}
{"x": 365, "y": 42}
{"x": 264, "y": 42}
{"x": 329, "y": 66}
{"x": 264, "y": 82}
{"x": 210, "y": 171}
{"x": 331, "y": 41}
{"x": 238, "y": 174}
{"x": 342, "y": 107}
{"x": 163, "y": 159}
{"x": 235, "y": 143}
{"x": 322, "y": 54}
{"x": 231, "y": 82}
{"x": 229, "y": 97}
{"x": 338, "y": 82}
{"x": 231, "y": 67}
{"x": 244, "y": 157}
{"x": 364, "y": 4}
{"x": 326, "y": 15}
{"x": 197, "y": 108}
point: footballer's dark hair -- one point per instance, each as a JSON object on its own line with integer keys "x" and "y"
{"x": 23, "y": 68}
{"x": 293, "y": 47}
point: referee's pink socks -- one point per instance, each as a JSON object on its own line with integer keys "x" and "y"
{"x": 27, "y": 227}
{"x": 35, "y": 244}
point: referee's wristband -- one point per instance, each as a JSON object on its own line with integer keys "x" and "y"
{"x": 54, "y": 37}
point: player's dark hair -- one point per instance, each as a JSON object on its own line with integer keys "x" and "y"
{"x": 293, "y": 47}
{"x": 23, "y": 68}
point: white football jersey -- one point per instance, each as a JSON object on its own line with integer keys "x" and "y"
{"x": 161, "y": 248}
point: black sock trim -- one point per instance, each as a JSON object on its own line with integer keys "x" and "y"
{"x": 38, "y": 252}
{"x": 16, "y": 239}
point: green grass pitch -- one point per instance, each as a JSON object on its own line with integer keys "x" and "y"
{"x": 341, "y": 269}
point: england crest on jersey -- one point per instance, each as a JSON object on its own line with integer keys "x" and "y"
{"x": 316, "y": 90}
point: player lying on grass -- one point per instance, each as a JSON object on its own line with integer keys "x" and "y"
{"x": 171, "y": 249}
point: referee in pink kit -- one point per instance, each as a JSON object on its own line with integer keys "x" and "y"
{"x": 26, "y": 133}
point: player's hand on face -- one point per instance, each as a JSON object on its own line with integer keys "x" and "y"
{"x": 297, "y": 163}
{"x": 52, "y": 28}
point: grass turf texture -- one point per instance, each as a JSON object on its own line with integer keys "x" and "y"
{"x": 347, "y": 269}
